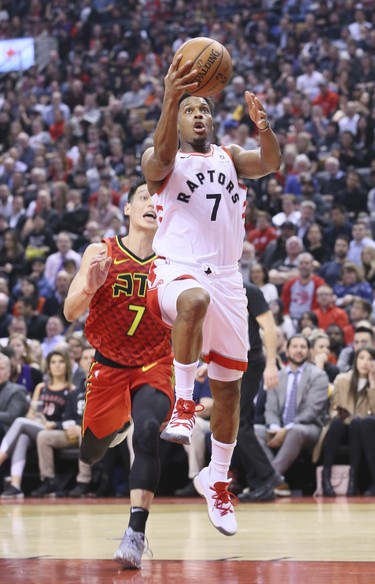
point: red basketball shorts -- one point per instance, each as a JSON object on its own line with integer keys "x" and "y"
{"x": 108, "y": 393}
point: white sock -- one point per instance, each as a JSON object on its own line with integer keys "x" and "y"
{"x": 220, "y": 460}
{"x": 184, "y": 379}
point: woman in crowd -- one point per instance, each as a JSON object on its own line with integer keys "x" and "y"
{"x": 282, "y": 320}
{"x": 12, "y": 261}
{"x": 259, "y": 277}
{"x": 352, "y": 413}
{"x": 352, "y": 284}
{"x": 314, "y": 243}
{"x": 368, "y": 264}
{"x": 24, "y": 371}
{"x": 308, "y": 323}
{"x": 46, "y": 410}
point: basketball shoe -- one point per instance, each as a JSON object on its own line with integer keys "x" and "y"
{"x": 220, "y": 502}
{"x": 181, "y": 425}
{"x": 131, "y": 549}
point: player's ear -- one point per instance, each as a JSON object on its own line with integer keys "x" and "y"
{"x": 127, "y": 209}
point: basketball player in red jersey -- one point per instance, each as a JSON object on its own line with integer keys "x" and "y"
{"x": 195, "y": 285}
{"x": 131, "y": 375}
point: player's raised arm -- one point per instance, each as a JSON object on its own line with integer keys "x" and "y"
{"x": 257, "y": 163}
{"x": 92, "y": 274}
{"x": 158, "y": 161}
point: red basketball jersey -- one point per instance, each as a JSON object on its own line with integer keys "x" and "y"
{"x": 119, "y": 324}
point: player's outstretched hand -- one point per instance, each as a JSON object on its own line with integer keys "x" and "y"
{"x": 257, "y": 112}
{"x": 178, "y": 80}
{"x": 97, "y": 272}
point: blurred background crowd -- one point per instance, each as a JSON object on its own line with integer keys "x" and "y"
{"x": 74, "y": 125}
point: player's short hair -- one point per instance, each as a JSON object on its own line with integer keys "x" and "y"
{"x": 138, "y": 182}
{"x": 209, "y": 101}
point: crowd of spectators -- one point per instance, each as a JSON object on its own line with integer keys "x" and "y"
{"x": 72, "y": 133}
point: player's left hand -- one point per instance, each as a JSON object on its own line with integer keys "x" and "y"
{"x": 98, "y": 271}
{"x": 257, "y": 112}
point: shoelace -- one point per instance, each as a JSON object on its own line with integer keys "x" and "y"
{"x": 224, "y": 499}
{"x": 139, "y": 542}
{"x": 184, "y": 414}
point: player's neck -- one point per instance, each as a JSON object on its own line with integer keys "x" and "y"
{"x": 139, "y": 243}
{"x": 202, "y": 147}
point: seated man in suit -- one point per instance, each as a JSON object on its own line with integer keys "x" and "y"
{"x": 294, "y": 409}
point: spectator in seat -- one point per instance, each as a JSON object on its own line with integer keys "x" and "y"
{"x": 22, "y": 434}
{"x": 363, "y": 337}
{"x": 294, "y": 410}
{"x": 259, "y": 277}
{"x": 352, "y": 403}
{"x": 283, "y": 321}
{"x": 368, "y": 264}
{"x": 263, "y": 233}
{"x": 13, "y": 398}
{"x": 327, "y": 312}
{"x": 54, "y": 335}
{"x": 55, "y": 261}
{"x": 289, "y": 211}
{"x": 35, "y": 322}
{"x": 326, "y": 98}
{"x": 360, "y": 240}
{"x": 339, "y": 225}
{"x": 275, "y": 251}
{"x": 359, "y": 310}
{"x": 300, "y": 294}
{"x": 330, "y": 271}
{"x": 336, "y": 342}
{"x": 286, "y": 268}
{"x": 49, "y": 440}
{"x": 352, "y": 284}
{"x": 319, "y": 354}
{"x": 334, "y": 181}
{"x": 24, "y": 371}
{"x": 5, "y": 316}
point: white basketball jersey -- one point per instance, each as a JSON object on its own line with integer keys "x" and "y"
{"x": 201, "y": 210}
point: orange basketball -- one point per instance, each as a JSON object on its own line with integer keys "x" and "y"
{"x": 212, "y": 61}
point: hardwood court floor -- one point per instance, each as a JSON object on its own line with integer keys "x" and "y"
{"x": 291, "y": 541}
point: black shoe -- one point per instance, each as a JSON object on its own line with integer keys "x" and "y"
{"x": 353, "y": 484}
{"x": 250, "y": 498}
{"x": 265, "y": 492}
{"x": 80, "y": 490}
{"x": 48, "y": 487}
{"x": 370, "y": 491}
{"x": 328, "y": 490}
{"x": 188, "y": 491}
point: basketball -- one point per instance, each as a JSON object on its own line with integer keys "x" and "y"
{"x": 212, "y": 61}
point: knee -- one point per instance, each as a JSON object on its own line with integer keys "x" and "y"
{"x": 42, "y": 437}
{"x": 88, "y": 456}
{"x": 193, "y": 304}
{"x": 146, "y": 436}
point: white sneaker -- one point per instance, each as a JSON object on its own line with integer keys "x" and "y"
{"x": 181, "y": 425}
{"x": 220, "y": 502}
{"x": 131, "y": 549}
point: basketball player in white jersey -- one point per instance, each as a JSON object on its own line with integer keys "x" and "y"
{"x": 195, "y": 286}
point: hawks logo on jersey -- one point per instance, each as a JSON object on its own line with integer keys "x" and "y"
{"x": 119, "y": 311}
